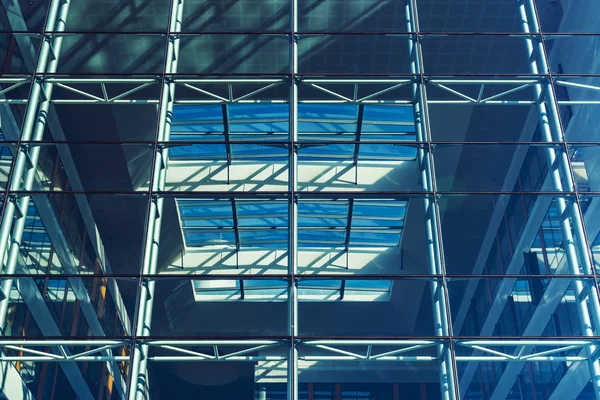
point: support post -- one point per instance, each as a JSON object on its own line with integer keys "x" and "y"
{"x": 560, "y": 177}
{"x": 574, "y": 240}
{"x": 292, "y": 362}
{"x": 139, "y": 366}
{"x": 440, "y": 318}
{"x": 33, "y": 130}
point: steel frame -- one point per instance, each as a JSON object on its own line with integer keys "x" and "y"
{"x": 139, "y": 383}
{"x": 130, "y": 90}
{"x": 111, "y": 91}
{"x": 407, "y": 350}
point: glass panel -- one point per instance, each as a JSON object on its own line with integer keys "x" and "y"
{"x": 68, "y": 307}
{"x": 584, "y": 161}
{"x": 589, "y": 208}
{"x": 492, "y": 168}
{"x": 475, "y": 54}
{"x": 482, "y": 123}
{"x": 506, "y": 234}
{"x": 264, "y": 316}
{"x": 378, "y": 168}
{"x": 6, "y": 158}
{"x": 19, "y": 53}
{"x": 232, "y": 379}
{"x": 353, "y": 54}
{"x": 205, "y": 167}
{"x": 146, "y": 15}
{"x": 366, "y": 380}
{"x": 515, "y": 307}
{"x": 578, "y": 107}
{"x": 112, "y": 53}
{"x": 23, "y": 15}
{"x": 253, "y": 122}
{"x": 243, "y": 16}
{"x": 485, "y": 379}
{"x": 565, "y": 54}
{"x": 233, "y": 54}
{"x": 468, "y": 16}
{"x": 386, "y": 237}
{"x": 128, "y": 169}
{"x": 351, "y": 15}
{"x": 373, "y": 313}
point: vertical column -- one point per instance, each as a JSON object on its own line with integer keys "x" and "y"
{"x": 23, "y": 174}
{"x": 292, "y": 386}
{"x": 139, "y": 364}
{"x": 439, "y": 301}
{"x": 571, "y": 228}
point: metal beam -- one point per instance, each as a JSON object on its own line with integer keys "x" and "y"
{"x": 427, "y": 180}
{"x": 139, "y": 385}
{"x": 559, "y": 174}
{"x": 292, "y": 359}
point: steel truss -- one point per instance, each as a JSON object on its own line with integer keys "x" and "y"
{"x": 493, "y": 91}
{"x": 184, "y": 350}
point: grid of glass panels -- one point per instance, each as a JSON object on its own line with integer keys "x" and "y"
{"x": 284, "y": 199}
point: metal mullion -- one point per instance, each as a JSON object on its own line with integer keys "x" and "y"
{"x": 138, "y": 374}
{"x": 33, "y": 129}
{"x": 349, "y": 224}
{"x": 292, "y": 359}
{"x": 550, "y": 123}
{"x": 449, "y": 387}
{"x": 224, "y": 111}
{"x": 235, "y": 224}
{"x": 359, "y": 124}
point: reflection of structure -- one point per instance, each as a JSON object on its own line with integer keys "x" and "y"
{"x": 284, "y": 199}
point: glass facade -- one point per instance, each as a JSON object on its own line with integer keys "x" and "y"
{"x": 300, "y": 199}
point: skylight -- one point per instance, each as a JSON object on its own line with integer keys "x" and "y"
{"x": 245, "y": 224}
{"x": 233, "y": 132}
{"x": 276, "y": 290}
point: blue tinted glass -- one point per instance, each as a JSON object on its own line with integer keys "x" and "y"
{"x": 270, "y": 283}
{"x": 374, "y": 239}
{"x": 328, "y": 111}
{"x": 263, "y": 214}
{"x": 257, "y": 111}
{"x": 386, "y": 152}
{"x": 325, "y": 127}
{"x": 195, "y": 208}
{"x": 327, "y": 283}
{"x": 376, "y": 285}
{"x": 342, "y": 151}
{"x": 258, "y": 127}
{"x": 198, "y": 152}
{"x": 323, "y": 214}
{"x": 206, "y": 223}
{"x": 383, "y": 113}
{"x": 327, "y": 208}
{"x": 390, "y": 210}
{"x": 262, "y": 152}
{"x": 202, "y": 113}
{"x": 314, "y": 238}
{"x": 267, "y": 238}
{"x": 209, "y": 238}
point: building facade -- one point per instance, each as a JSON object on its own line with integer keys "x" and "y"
{"x": 300, "y": 199}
